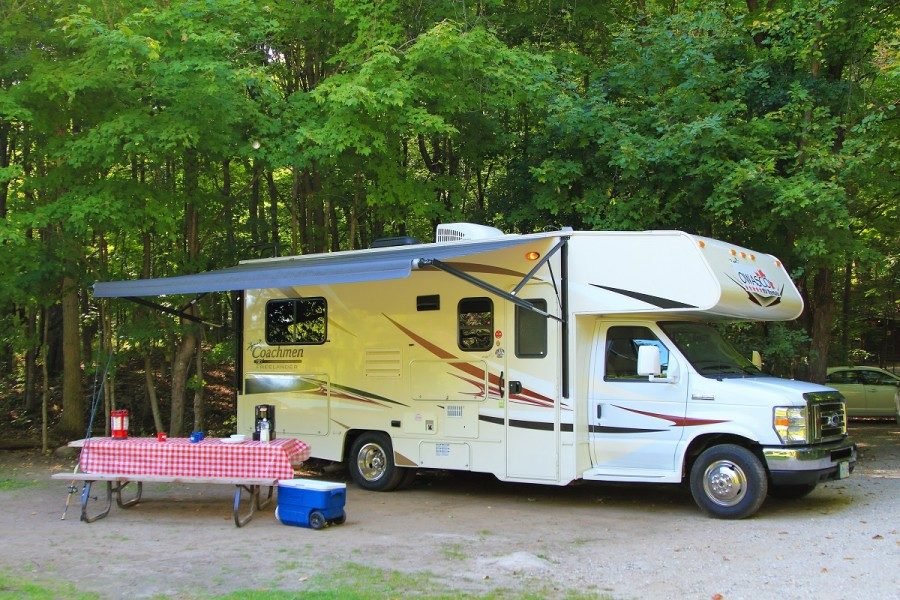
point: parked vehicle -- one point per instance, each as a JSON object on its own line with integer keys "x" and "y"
{"x": 541, "y": 358}
{"x": 868, "y": 391}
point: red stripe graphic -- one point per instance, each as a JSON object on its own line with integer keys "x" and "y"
{"x": 676, "y": 421}
{"x": 527, "y": 396}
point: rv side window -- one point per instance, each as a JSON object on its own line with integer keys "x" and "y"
{"x": 296, "y": 321}
{"x": 476, "y": 324}
{"x": 622, "y": 345}
{"x": 531, "y": 331}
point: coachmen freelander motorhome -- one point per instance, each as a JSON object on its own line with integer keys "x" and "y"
{"x": 540, "y": 358}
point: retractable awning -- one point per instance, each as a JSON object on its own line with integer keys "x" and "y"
{"x": 320, "y": 269}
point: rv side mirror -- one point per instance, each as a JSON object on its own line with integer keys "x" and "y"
{"x": 648, "y": 361}
{"x": 756, "y": 359}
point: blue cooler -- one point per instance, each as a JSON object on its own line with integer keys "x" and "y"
{"x": 311, "y": 503}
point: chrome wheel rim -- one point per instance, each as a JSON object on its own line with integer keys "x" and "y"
{"x": 371, "y": 462}
{"x": 725, "y": 483}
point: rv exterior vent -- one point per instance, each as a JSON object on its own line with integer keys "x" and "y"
{"x": 452, "y": 232}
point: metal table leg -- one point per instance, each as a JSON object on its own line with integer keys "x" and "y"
{"x": 239, "y": 520}
{"x": 121, "y": 485}
{"x": 261, "y": 504}
{"x": 86, "y": 497}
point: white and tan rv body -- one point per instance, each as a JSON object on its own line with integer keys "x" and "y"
{"x": 542, "y": 358}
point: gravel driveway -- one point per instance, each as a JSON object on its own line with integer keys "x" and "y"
{"x": 474, "y": 533}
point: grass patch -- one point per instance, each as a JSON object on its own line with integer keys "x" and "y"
{"x": 454, "y": 552}
{"x": 8, "y": 485}
{"x": 348, "y": 582}
{"x": 357, "y": 582}
{"x": 16, "y": 588}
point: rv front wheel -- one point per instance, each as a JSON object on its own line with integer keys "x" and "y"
{"x": 372, "y": 463}
{"x": 728, "y": 482}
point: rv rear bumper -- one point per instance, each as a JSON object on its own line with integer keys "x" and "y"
{"x": 810, "y": 464}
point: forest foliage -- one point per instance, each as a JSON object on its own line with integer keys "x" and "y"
{"x": 158, "y": 137}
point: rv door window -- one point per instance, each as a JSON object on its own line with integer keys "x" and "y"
{"x": 476, "y": 324}
{"x": 531, "y": 331}
{"x": 296, "y": 321}
{"x": 622, "y": 345}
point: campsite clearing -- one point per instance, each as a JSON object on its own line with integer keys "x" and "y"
{"x": 472, "y": 533}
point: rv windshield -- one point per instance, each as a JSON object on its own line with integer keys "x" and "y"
{"x": 708, "y": 351}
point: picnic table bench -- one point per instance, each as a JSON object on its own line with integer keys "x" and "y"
{"x": 116, "y": 482}
{"x": 249, "y": 466}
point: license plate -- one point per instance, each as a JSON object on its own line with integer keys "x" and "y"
{"x": 843, "y": 470}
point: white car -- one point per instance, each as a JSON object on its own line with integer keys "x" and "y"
{"x": 870, "y": 391}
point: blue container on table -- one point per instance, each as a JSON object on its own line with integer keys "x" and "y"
{"x": 311, "y": 503}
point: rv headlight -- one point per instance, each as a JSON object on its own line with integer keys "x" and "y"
{"x": 790, "y": 424}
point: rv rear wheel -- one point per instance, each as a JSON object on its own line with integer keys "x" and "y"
{"x": 728, "y": 482}
{"x": 372, "y": 463}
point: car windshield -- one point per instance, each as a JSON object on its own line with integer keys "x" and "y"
{"x": 708, "y": 351}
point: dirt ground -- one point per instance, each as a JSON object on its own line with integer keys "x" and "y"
{"x": 474, "y": 533}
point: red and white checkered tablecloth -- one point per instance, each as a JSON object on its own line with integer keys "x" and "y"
{"x": 178, "y": 457}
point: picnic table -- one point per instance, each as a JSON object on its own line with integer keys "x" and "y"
{"x": 249, "y": 466}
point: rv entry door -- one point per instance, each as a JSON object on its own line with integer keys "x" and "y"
{"x": 532, "y": 385}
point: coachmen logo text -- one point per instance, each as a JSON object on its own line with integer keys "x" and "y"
{"x": 761, "y": 290}
{"x": 263, "y": 354}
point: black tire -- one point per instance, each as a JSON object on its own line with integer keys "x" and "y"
{"x": 316, "y": 520}
{"x": 371, "y": 463}
{"x": 728, "y": 482}
{"x": 341, "y": 519}
{"x": 791, "y": 492}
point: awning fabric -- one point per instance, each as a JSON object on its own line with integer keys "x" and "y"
{"x": 318, "y": 269}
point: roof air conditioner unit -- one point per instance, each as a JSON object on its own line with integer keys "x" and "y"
{"x": 453, "y": 232}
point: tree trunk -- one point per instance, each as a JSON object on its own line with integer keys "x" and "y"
{"x": 821, "y": 314}
{"x": 295, "y": 212}
{"x": 229, "y": 207}
{"x": 151, "y": 391}
{"x": 149, "y": 370}
{"x": 334, "y": 234}
{"x": 182, "y": 360}
{"x": 180, "y": 370}
{"x": 198, "y": 393}
{"x": 34, "y": 343}
{"x": 354, "y": 211}
{"x": 72, "y": 422}
{"x": 45, "y": 386}
{"x": 845, "y": 312}
{"x": 273, "y": 212}
{"x": 255, "y": 239}
{"x": 5, "y": 154}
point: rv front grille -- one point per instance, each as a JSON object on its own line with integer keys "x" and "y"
{"x": 828, "y": 416}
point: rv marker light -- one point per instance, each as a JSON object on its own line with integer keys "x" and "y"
{"x": 701, "y": 243}
{"x": 532, "y": 255}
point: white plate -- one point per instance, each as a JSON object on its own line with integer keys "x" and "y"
{"x": 229, "y": 440}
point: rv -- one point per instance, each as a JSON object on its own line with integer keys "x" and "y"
{"x": 544, "y": 358}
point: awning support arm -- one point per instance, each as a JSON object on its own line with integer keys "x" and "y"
{"x": 562, "y": 241}
{"x": 194, "y": 301}
{"x": 171, "y": 311}
{"x": 433, "y": 262}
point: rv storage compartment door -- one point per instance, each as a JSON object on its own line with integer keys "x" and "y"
{"x": 444, "y": 455}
